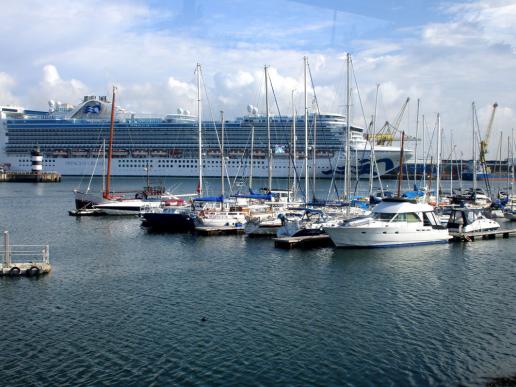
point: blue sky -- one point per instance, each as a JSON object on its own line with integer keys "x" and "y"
{"x": 448, "y": 53}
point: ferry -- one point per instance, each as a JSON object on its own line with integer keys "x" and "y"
{"x": 71, "y": 137}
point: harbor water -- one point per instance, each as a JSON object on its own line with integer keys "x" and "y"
{"x": 127, "y": 307}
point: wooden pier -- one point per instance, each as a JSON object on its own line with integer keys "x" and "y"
{"x": 30, "y": 177}
{"x": 223, "y": 230}
{"x": 308, "y": 241}
{"x": 28, "y": 260}
{"x": 471, "y": 236}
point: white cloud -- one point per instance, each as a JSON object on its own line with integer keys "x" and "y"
{"x": 6, "y": 84}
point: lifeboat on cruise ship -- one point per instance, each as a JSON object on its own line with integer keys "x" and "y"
{"x": 158, "y": 153}
{"x": 60, "y": 153}
{"x": 140, "y": 153}
{"x": 120, "y": 153}
{"x": 175, "y": 153}
{"x": 236, "y": 153}
{"x": 213, "y": 152}
{"x": 80, "y": 153}
{"x": 324, "y": 153}
{"x": 259, "y": 153}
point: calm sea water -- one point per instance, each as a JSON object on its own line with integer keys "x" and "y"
{"x": 124, "y": 306}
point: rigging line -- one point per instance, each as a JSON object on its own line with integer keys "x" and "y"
{"x": 277, "y": 107}
{"x": 313, "y": 89}
{"x": 99, "y": 135}
{"x": 358, "y": 92}
{"x": 334, "y": 175}
{"x": 210, "y": 110}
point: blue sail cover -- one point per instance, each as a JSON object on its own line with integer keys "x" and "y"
{"x": 413, "y": 194}
{"x": 210, "y": 199}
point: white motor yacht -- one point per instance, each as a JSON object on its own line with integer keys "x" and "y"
{"x": 221, "y": 219}
{"x": 393, "y": 222}
{"x": 469, "y": 220}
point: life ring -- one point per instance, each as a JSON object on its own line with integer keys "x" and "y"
{"x": 15, "y": 271}
{"x": 33, "y": 271}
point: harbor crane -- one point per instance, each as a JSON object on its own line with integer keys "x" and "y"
{"x": 387, "y": 133}
{"x": 485, "y": 141}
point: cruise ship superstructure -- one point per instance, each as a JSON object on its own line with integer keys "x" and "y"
{"x": 71, "y": 140}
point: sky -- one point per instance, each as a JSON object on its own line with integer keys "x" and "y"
{"x": 447, "y": 54}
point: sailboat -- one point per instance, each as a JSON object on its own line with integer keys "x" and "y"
{"x": 109, "y": 203}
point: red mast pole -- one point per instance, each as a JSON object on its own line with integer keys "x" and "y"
{"x": 110, "y": 149}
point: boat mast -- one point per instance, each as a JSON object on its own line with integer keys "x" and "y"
{"x": 294, "y": 136}
{"x": 438, "y": 180}
{"x": 371, "y": 142}
{"x": 347, "y": 169}
{"x": 474, "y": 152}
{"x": 306, "y": 134}
{"x": 222, "y": 161}
{"x": 313, "y": 155}
{"x": 199, "y": 126}
{"x": 269, "y": 150}
{"x": 451, "y": 163}
{"x": 400, "y": 173}
{"x": 103, "y": 164}
{"x": 110, "y": 149}
{"x": 415, "y": 146}
{"x": 252, "y": 159}
{"x": 424, "y": 155}
{"x": 512, "y": 163}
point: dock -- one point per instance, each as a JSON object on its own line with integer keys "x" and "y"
{"x": 24, "y": 260}
{"x": 308, "y": 241}
{"x": 223, "y": 230}
{"x": 30, "y": 177}
{"x": 471, "y": 236}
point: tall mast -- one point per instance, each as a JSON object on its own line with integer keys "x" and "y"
{"x": 508, "y": 169}
{"x": 294, "y": 136}
{"x": 400, "y": 174}
{"x": 313, "y": 154}
{"x": 103, "y": 164}
{"x": 347, "y": 169}
{"x": 199, "y": 126}
{"x": 269, "y": 150}
{"x": 424, "y": 155}
{"x": 512, "y": 163}
{"x": 252, "y": 159}
{"x": 438, "y": 180}
{"x": 110, "y": 149}
{"x": 451, "y": 163}
{"x": 222, "y": 161}
{"x": 371, "y": 142}
{"x": 474, "y": 151}
{"x": 415, "y": 146}
{"x": 306, "y": 133}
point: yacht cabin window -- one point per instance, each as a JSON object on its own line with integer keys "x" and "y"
{"x": 383, "y": 216}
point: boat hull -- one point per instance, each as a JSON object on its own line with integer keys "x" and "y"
{"x": 170, "y": 222}
{"x": 385, "y": 237}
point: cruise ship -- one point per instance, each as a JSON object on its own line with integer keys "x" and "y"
{"x": 71, "y": 139}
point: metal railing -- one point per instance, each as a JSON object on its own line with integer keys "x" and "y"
{"x": 29, "y": 253}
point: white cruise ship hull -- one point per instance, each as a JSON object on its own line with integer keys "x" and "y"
{"x": 387, "y": 160}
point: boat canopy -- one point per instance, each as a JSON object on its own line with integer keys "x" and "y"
{"x": 401, "y": 206}
{"x": 210, "y": 199}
